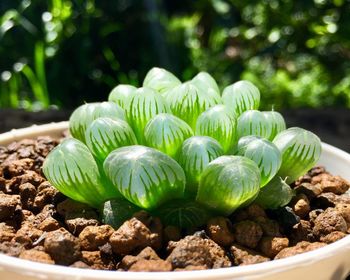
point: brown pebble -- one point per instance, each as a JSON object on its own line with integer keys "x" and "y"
{"x": 27, "y": 235}
{"x": 135, "y": 235}
{"x": 247, "y": 233}
{"x": 301, "y": 247}
{"x": 96, "y": 260}
{"x": 344, "y": 210}
{"x": 171, "y": 233}
{"x": 271, "y": 246}
{"x": 17, "y": 167}
{"x": 28, "y": 193}
{"x": 269, "y": 227}
{"x": 6, "y": 232}
{"x": 8, "y": 205}
{"x": 151, "y": 266}
{"x": 329, "y": 221}
{"x": 79, "y": 264}
{"x": 62, "y": 246}
{"x": 332, "y": 237}
{"x": 11, "y": 248}
{"x": 92, "y": 237}
{"x": 329, "y": 183}
{"x": 36, "y": 256}
{"x": 301, "y": 205}
{"x": 76, "y": 221}
{"x": 302, "y": 231}
{"x": 220, "y": 231}
{"x": 49, "y": 224}
{"x": 244, "y": 256}
{"x": 46, "y": 194}
{"x": 146, "y": 254}
{"x": 310, "y": 190}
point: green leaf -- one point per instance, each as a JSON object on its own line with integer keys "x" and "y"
{"x": 71, "y": 168}
{"x": 264, "y": 153}
{"x": 121, "y": 94}
{"x": 85, "y": 114}
{"x": 116, "y": 211}
{"x": 228, "y": 182}
{"x": 253, "y": 122}
{"x": 276, "y": 121}
{"x": 166, "y": 133}
{"x": 160, "y": 80}
{"x": 187, "y": 101}
{"x": 195, "y": 154}
{"x": 145, "y": 176}
{"x": 219, "y": 123}
{"x": 206, "y": 81}
{"x": 300, "y": 150}
{"x": 144, "y": 105}
{"x": 184, "y": 214}
{"x": 241, "y": 96}
{"x": 277, "y": 193}
{"x": 105, "y": 135}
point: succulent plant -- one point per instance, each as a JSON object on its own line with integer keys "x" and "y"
{"x": 180, "y": 151}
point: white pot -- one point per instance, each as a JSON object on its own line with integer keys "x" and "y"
{"x": 329, "y": 262}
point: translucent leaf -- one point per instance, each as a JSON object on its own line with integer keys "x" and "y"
{"x": 276, "y": 121}
{"x": 228, "y": 182}
{"x": 160, "y": 80}
{"x": 219, "y": 123}
{"x": 187, "y": 101}
{"x": 71, "y": 168}
{"x": 206, "y": 81}
{"x": 116, "y": 211}
{"x": 85, "y": 114}
{"x": 166, "y": 133}
{"x": 253, "y": 122}
{"x": 121, "y": 94}
{"x": 277, "y": 193}
{"x": 185, "y": 214}
{"x": 195, "y": 154}
{"x": 241, "y": 96}
{"x": 105, "y": 135}
{"x": 145, "y": 176}
{"x": 144, "y": 105}
{"x": 264, "y": 153}
{"x": 300, "y": 151}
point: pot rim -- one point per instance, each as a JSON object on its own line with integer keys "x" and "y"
{"x": 271, "y": 267}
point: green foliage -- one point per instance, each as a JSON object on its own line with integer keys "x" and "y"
{"x": 65, "y": 52}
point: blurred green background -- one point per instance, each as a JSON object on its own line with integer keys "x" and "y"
{"x": 66, "y": 52}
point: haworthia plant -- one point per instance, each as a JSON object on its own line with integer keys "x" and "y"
{"x": 84, "y": 115}
{"x": 264, "y": 153}
{"x": 205, "y": 81}
{"x": 227, "y": 183}
{"x": 166, "y": 133}
{"x": 71, "y": 168}
{"x": 276, "y": 121}
{"x": 105, "y": 135}
{"x": 145, "y": 176}
{"x": 121, "y": 94}
{"x": 144, "y": 105}
{"x": 188, "y": 101}
{"x": 219, "y": 123}
{"x": 160, "y": 80}
{"x": 241, "y": 96}
{"x": 195, "y": 154}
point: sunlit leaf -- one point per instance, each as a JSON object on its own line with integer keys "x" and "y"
{"x": 241, "y": 96}
{"x": 160, "y": 80}
{"x": 145, "y": 176}
{"x": 143, "y": 106}
{"x": 300, "y": 151}
{"x": 277, "y": 123}
{"x": 121, "y": 94}
{"x": 264, "y": 153}
{"x": 253, "y": 122}
{"x": 206, "y": 81}
{"x": 166, "y": 133}
{"x": 105, "y": 135}
{"x": 85, "y": 114}
{"x": 195, "y": 154}
{"x": 227, "y": 183}
{"x": 219, "y": 123}
{"x": 71, "y": 168}
{"x": 277, "y": 193}
{"x": 187, "y": 101}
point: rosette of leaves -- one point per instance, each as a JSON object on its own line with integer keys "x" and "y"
{"x": 160, "y": 80}
{"x": 137, "y": 151}
{"x": 241, "y": 96}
